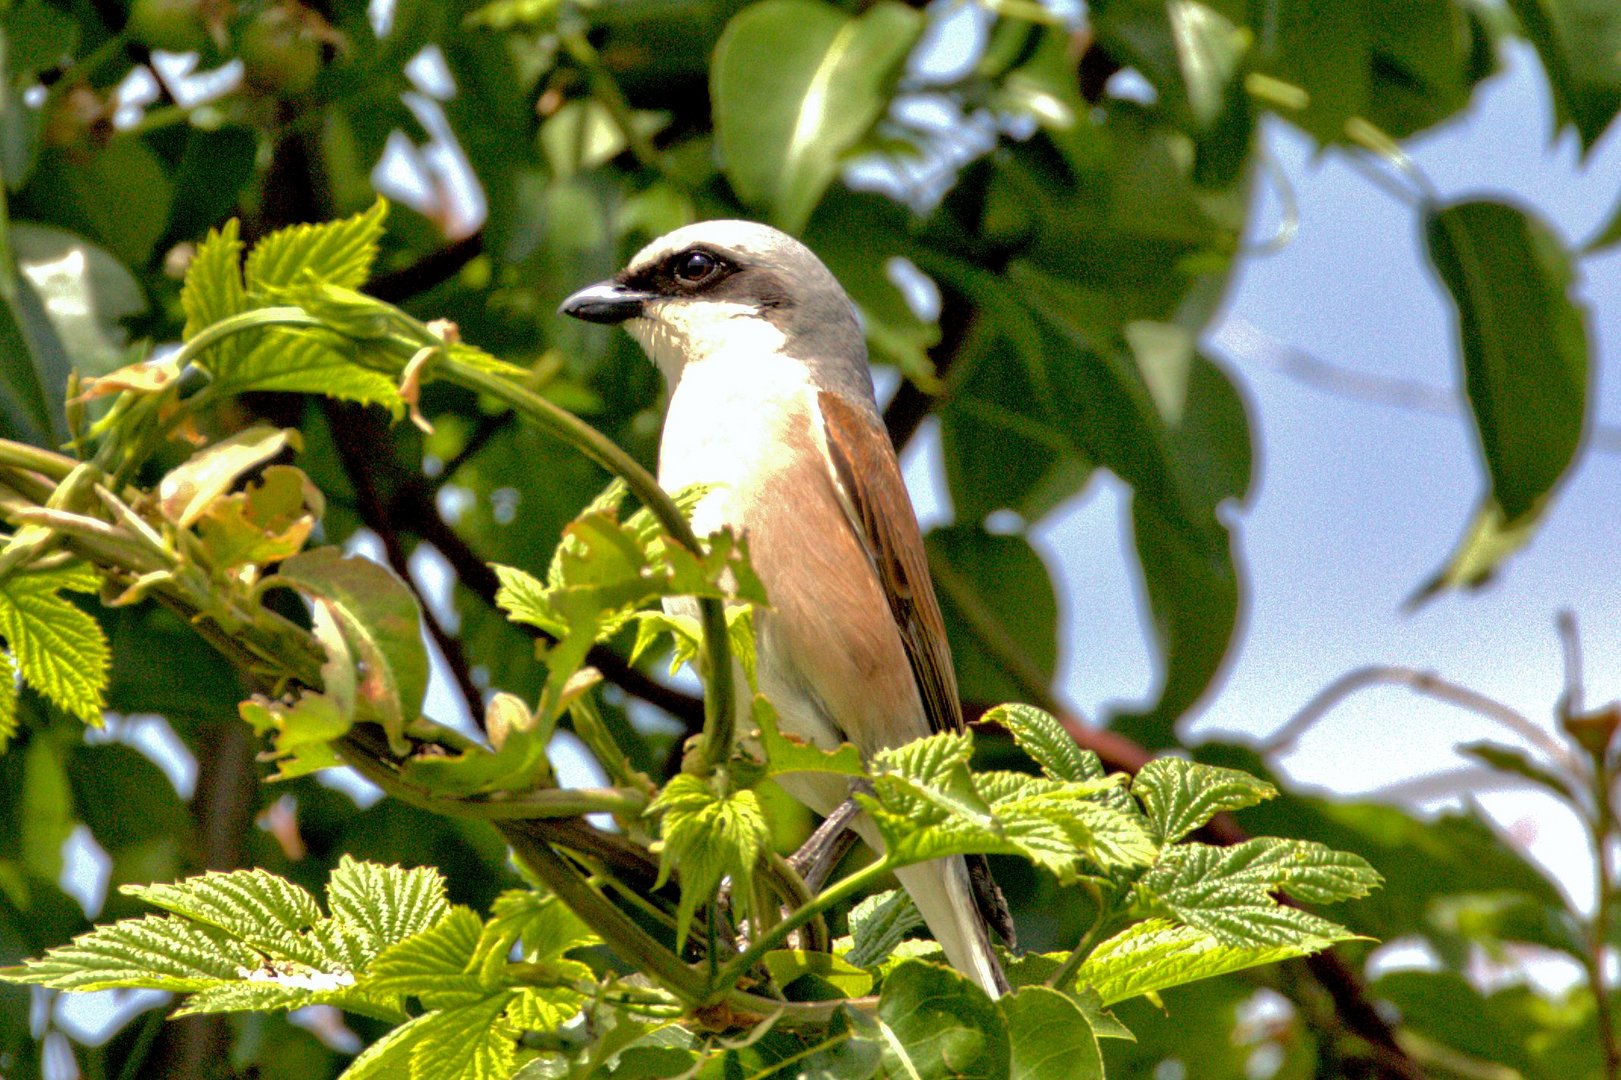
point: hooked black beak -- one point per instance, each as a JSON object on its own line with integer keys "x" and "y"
{"x": 605, "y": 302}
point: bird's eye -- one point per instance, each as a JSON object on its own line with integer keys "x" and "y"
{"x": 695, "y": 267}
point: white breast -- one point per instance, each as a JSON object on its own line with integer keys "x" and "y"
{"x": 725, "y": 427}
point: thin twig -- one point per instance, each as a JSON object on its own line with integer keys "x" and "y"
{"x": 1423, "y": 682}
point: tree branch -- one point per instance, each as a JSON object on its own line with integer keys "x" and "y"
{"x": 428, "y": 272}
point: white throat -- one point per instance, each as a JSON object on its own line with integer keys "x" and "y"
{"x": 684, "y": 334}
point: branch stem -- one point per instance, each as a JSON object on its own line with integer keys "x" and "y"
{"x": 843, "y": 890}
{"x": 720, "y": 701}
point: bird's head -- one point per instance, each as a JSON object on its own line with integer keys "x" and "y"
{"x": 724, "y": 287}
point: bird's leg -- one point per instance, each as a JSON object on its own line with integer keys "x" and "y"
{"x": 818, "y": 855}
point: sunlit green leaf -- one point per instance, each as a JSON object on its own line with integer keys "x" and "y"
{"x": 796, "y": 83}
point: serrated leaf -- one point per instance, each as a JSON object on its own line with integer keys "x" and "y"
{"x": 878, "y": 924}
{"x": 471, "y": 1042}
{"x": 8, "y": 700}
{"x": 154, "y": 952}
{"x": 927, "y": 804}
{"x": 389, "y": 903}
{"x": 1179, "y": 796}
{"x": 1049, "y": 1037}
{"x": 381, "y": 622}
{"x": 436, "y": 965}
{"x": 1230, "y": 891}
{"x": 187, "y": 490}
{"x": 258, "y": 908}
{"x": 60, "y": 650}
{"x": 523, "y": 597}
{"x": 1156, "y": 955}
{"x": 337, "y": 252}
{"x": 305, "y": 362}
{"x": 1040, "y": 735}
{"x": 708, "y": 836}
{"x": 543, "y": 924}
{"x": 213, "y": 291}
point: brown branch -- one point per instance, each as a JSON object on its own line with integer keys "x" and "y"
{"x": 428, "y": 272}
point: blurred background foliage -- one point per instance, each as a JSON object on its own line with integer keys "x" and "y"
{"x": 1037, "y": 206}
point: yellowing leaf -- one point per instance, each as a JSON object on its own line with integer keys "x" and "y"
{"x": 268, "y": 522}
{"x": 187, "y": 490}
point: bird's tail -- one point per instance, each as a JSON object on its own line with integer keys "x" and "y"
{"x": 945, "y": 898}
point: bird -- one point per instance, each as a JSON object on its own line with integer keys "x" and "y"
{"x": 771, "y": 407}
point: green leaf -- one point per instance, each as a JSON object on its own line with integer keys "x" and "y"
{"x": 786, "y": 965}
{"x": 86, "y": 293}
{"x": 118, "y": 194}
{"x": 518, "y": 760}
{"x": 257, "y": 908}
{"x": 156, "y": 953}
{"x": 1179, "y": 796}
{"x": 939, "y": 1026}
{"x": 707, "y": 836}
{"x": 1156, "y": 955}
{"x": 299, "y": 361}
{"x": 1050, "y": 1037}
{"x": 213, "y": 291}
{"x": 787, "y": 754}
{"x": 59, "y": 649}
{"x": 928, "y": 805}
{"x": 380, "y": 619}
{"x": 997, "y": 599}
{"x": 1578, "y": 41}
{"x": 1526, "y": 368}
{"x": 435, "y": 965}
{"x": 1229, "y": 891}
{"x": 1510, "y": 760}
{"x": 46, "y": 813}
{"x": 266, "y": 523}
{"x": 795, "y": 85}
{"x": 1323, "y": 47}
{"x": 387, "y": 903}
{"x": 8, "y": 700}
{"x": 334, "y": 252}
{"x": 1041, "y": 736}
{"x": 878, "y": 924}
{"x": 38, "y": 37}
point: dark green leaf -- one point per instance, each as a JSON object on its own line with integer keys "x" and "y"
{"x": 1578, "y": 41}
{"x": 941, "y": 1027}
{"x": 997, "y": 599}
{"x": 1525, "y": 360}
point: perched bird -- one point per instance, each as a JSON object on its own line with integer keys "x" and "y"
{"x": 771, "y": 403}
